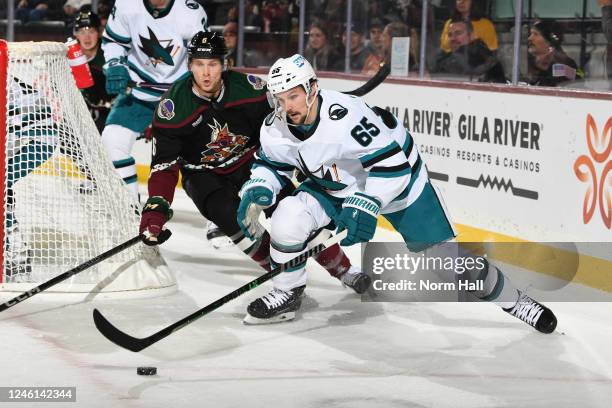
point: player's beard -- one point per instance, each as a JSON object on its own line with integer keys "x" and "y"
{"x": 301, "y": 118}
{"x": 296, "y": 118}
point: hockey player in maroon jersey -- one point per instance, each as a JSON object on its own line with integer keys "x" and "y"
{"x": 207, "y": 127}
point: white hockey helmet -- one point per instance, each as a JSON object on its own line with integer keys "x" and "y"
{"x": 287, "y": 73}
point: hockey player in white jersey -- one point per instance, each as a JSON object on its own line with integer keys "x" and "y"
{"x": 360, "y": 162}
{"x": 32, "y": 138}
{"x": 144, "y": 41}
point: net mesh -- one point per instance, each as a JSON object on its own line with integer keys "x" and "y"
{"x": 63, "y": 202}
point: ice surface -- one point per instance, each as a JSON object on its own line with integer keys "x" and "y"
{"x": 340, "y": 352}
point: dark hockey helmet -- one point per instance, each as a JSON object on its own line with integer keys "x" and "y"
{"x": 207, "y": 45}
{"x": 87, "y": 19}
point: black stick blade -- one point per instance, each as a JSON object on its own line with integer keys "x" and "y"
{"x": 117, "y": 336}
{"x": 133, "y": 344}
{"x": 373, "y": 82}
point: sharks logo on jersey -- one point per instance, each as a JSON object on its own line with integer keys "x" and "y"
{"x": 223, "y": 145}
{"x": 158, "y": 51}
{"x": 323, "y": 175}
{"x": 153, "y": 40}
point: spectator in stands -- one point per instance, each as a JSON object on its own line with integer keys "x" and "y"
{"x": 276, "y": 16}
{"x": 88, "y": 32}
{"x": 606, "y": 22}
{"x": 469, "y": 56}
{"x": 483, "y": 27}
{"x": 399, "y": 29}
{"x": 375, "y": 45}
{"x": 251, "y": 58}
{"x": 319, "y": 52}
{"x": 31, "y": 10}
{"x": 362, "y": 60}
{"x": 104, "y": 9}
{"x": 548, "y": 64}
{"x": 72, "y": 7}
{"x": 334, "y": 13}
{"x": 252, "y": 15}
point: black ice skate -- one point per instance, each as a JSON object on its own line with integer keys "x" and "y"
{"x": 355, "y": 279}
{"x": 534, "y": 314}
{"x": 216, "y": 237}
{"x": 277, "y": 306}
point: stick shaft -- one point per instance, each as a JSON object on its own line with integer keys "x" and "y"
{"x": 131, "y": 343}
{"x": 62, "y": 277}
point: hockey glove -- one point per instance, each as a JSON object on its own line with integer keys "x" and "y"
{"x": 147, "y": 134}
{"x": 255, "y": 196}
{"x": 154, "y": 215}
{"x": 359, "y": 215}
{"x": 117, "y": 76}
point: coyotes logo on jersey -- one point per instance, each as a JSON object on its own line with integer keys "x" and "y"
{"x": 223, "y": 144}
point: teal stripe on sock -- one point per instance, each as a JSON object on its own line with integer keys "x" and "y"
{"x": 499, "y": 286}
{"x": 124, "y": 163}
{"x": 131, "y": 179}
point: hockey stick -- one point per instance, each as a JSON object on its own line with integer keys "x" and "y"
{"x": 373, "y": 82}
{"x": 137, "y": 344}
{"x": 149, "y": 85}
{"x": 62, "y": 277}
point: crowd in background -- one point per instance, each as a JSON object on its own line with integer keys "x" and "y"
{"x": 465, "y": 47}
{"x": 58, "y": 10}
{"x": 463, "y": 40}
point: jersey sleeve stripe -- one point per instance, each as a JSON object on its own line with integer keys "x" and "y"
{"x": 151, "y": 92}
{"x": 261, "y": 157}
{"x": 408, "y": 144}
{"x": 106, "y": 40}
{"x": 184, "y": 122}
{"x": 391, "y": 171}
{"x": 246, "y": 100}
{"x": 259, "y": 163}
{"x": 141, "y": 74}
{"x": 415, "y": 175}
{"x": 379, "y": 155}
{"x": 116, "y": 37}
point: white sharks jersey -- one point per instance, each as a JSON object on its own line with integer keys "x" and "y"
{"x": 349, "y": 148}
{"x": 154, "y": 41}
{"x": 30, "y": 115}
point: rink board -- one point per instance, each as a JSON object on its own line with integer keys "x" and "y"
{"x": 510, "y": 166}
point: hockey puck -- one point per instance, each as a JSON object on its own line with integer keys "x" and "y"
{"x": 146, "y": 370}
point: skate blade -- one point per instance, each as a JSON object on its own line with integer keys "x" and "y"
{"x": 220, "y": 242}
{"x": 283, "y": 317}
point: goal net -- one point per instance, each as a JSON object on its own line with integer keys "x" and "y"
{"x": 62, "y": 203}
